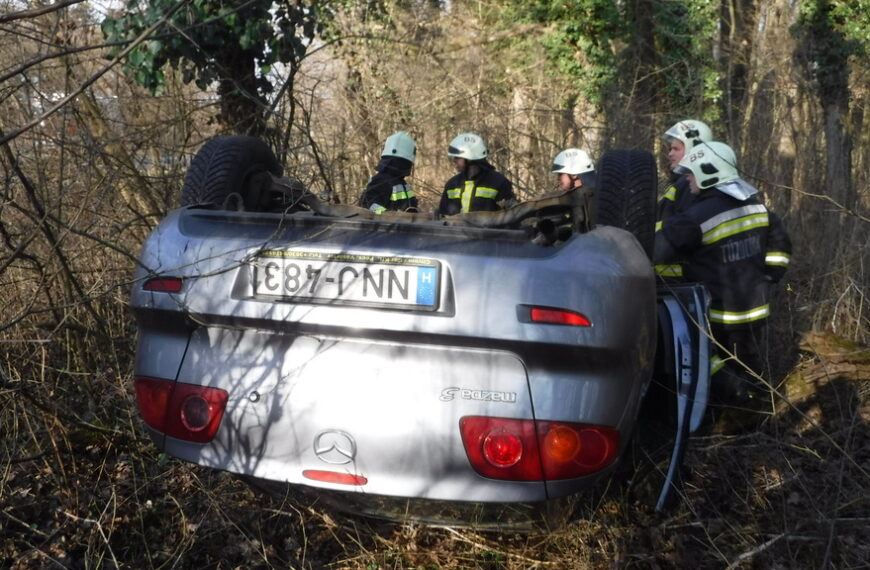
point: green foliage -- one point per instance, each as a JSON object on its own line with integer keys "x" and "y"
{"x": 580, "y": 38}
{"x": 593, "y": 44}
{"x": 683, "y": 35}
{"x": 824, "y": 31}
{"x": 854, "y": 21}
{"x": 202, "y": 35}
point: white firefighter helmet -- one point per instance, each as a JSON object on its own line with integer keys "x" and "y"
{"x": 572, "y": 161}
{"x": 689, "y": 132}
{"x": 711, "y": 163}
{"x": 468, "y": 146}
{"x": 400, "y": 144}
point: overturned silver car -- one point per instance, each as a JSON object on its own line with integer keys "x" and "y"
{"x": 474, "y": 369}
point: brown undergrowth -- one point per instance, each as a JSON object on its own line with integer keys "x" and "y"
{"x": 82, "y": 487}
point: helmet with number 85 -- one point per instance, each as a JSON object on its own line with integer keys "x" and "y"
{"x": 468, "y": 146}
{"x": 572, "y": 161}
{"x": 711, "y": 163}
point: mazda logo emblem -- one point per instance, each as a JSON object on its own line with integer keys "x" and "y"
{"x": 335, "y": 447}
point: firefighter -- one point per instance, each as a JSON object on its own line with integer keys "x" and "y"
{"x": 477, "y": 186}
{"x": 575, "y": 169}
{"x": 387, "y": 190}
{"x": 736, "y": 247}
{"x": 680, "y": 138}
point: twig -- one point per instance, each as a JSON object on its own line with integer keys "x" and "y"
{"x": 99, "y": 526}
{"x": 31, "y": 528}
{"x": 763, "y": 546}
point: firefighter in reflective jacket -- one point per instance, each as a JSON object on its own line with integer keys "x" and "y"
{"x": 387, "y": 190}
{"x": 680, "y": 138}
{"x": 736, "y": 247}
{"x": 477, "y": 186}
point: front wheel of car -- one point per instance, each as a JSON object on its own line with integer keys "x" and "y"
{"x": 231, "y": 172}
{"x": 627, "y": 194}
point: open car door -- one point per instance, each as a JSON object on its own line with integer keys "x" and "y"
{"x": 685, "y": 335}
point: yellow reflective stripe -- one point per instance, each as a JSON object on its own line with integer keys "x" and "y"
{"x": 728, "y": 229}
{"x": 379, "y": 210}
{"x": 484, "y": 192}
{"x": 658, "y": 225}
{"x": 669, "y": 270}
{"x": 732, "y": 318}
{"x": 716, "y": 364}
{"x": 779, "y": 258}
{"x": 671, "y": 193}
{"x": 401, "y": 192}
{"x": 453, "y": 193}
{"x": 733, "y": 214}
{"x": 467, "y": 195}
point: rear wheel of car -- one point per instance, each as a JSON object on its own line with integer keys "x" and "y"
{"x": 627, "y": 194}
{"x": 231, "y": 172}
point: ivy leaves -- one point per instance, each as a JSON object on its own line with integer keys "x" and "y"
{"x": 581, "y": 41}
{"x": 589, "y": 42}
{"x": 830, "y": 32}
{"x": 203, "y": 34}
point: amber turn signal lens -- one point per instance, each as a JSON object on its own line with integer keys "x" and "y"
{"x": 561, "y": 443}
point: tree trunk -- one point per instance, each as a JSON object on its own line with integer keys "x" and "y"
{"x": 242, "y": 108}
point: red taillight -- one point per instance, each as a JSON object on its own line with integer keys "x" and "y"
{"x": 195, "y": 413}
{"x": 165, "y": 284}
{"x": 153, "y": 398}
{"x": 558, "y": 317}
{"x": 501, "y": 448}
{"x": 333, "y": 477}
{"x": 185, "y": 411}
{"x": 525, "y": 450}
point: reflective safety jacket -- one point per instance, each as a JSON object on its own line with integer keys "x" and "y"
{"x": 736, "y": 248}
{"x": 387, "y": 190}
{"x": 483, "y": 192}
{"x": 677, "y": 198}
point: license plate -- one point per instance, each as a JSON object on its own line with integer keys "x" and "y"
{"x": 348, "y": 279}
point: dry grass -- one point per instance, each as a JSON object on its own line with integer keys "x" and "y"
{"x": 83, "y": 488}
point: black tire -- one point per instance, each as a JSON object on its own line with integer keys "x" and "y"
{"x": 627, "y": 188}
{"x": 231, "y": 167}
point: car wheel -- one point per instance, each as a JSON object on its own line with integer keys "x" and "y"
{"x": 627, "y": 194}
{"x": 229, "y": 172}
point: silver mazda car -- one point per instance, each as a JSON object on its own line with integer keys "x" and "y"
{"x": 475, "y": 369}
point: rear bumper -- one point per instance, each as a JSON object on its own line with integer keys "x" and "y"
{"x": 538, "y": 516}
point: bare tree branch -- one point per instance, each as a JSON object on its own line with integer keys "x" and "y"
{"x": 38, "y": 11}
{"x": 90, "y": 81}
